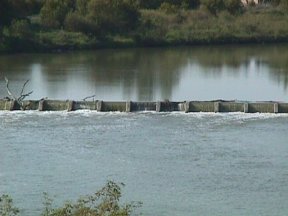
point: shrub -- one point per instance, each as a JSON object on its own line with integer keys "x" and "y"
{"x": 64, "y": 40}
{"x": 105, "y": 202}
{"x": 6, "y": 206}
{"x": 214, "y": 6}
{"x": 168, "y": 8}
{"x": 20, "y": 29}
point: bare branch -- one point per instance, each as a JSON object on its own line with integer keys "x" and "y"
{"x": 92, "y": 96}
{"x": 23, "y": 87}
{"x": 23, "y": 96}
{"x": 8, "y": 90}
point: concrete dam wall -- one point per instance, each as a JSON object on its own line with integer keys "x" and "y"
{"x": 159, "y": 106}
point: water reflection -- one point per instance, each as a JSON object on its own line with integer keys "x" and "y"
{"x": 228, "y": 72}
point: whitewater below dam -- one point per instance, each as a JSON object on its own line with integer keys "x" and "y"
{"x": 180, "y": 164}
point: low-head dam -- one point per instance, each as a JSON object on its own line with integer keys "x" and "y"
{"x": 158, "y": 106}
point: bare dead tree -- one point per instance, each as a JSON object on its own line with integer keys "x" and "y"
{"x": 23, "y": 95}
{"x": 11, "y": 96}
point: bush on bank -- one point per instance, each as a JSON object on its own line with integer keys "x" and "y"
{"x": 80, "y": 24}
{"x": 105, "y": 202}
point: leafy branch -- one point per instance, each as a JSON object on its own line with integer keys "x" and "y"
{"x": 105, "y": 202}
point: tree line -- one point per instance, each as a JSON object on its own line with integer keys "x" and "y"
{"x": 102, "y": 19}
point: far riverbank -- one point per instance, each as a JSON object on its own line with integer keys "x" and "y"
{"x": 154, "y": 27}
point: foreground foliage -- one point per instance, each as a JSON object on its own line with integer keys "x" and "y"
{"x": 7, "y": 207}
{"x": 105, "y": 202}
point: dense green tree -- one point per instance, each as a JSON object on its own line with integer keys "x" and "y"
{"x": 214, "y": 6}
{"x": 234, "y": 6}
{"x": 12, "y": 9}
{"x": 113, "y": 16}
{"x": 155, "y": 4}
{"x": 189, "y": 4}
{"x": 283, "y": 4}
{"x": 103, "y": 17}
{"x": 19, "y": 29}
{"x": 53, "y": 12}
{"x": 273, "y": 2}
{"x": 81, "y": 7}
{"x": 75, "y": 22}
{"x": 34, "y": 6}
{"x": 169, "y": 8}
{"x": 5, "y": 16}
{"x": 192, "y": 4}
{"x": 151, "y": 4}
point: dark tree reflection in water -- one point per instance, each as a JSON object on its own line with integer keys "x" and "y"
{"x": 180, "y": 73}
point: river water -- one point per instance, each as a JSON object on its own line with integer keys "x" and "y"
{"x": 180, "y": 164}
{"x": 176, "y": 163}
{"x": 254, "y": 72}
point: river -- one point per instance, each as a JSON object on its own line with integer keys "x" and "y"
{"x": 176, "y": 164}
{"x": 180, "y": 164}
{"x": 254, "y": 72}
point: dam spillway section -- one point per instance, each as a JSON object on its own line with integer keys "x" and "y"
{"x": 158, "y": 106}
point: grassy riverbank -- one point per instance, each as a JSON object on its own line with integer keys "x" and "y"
{"x": 136, "y": 25}
{"x": 255, "y": 25}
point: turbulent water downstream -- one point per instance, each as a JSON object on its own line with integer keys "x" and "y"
{"x": 176, "y": 164}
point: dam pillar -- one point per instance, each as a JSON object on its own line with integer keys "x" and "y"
{"x": 70, "y": 106}
{"x": 158, "y": 106}
{"x": 246, "y": 107}
{"x": 276, "y": 108}
{"x": 187, "y": 106}
{"x": 99, "y": 106}
{"x": 128, "y": 106}
{"x": 10, "y": 105}
{"x": 41, "y": 105}
{"x": 216, "y": 107}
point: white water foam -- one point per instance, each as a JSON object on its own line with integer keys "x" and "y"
{"x": 198, "y": 115}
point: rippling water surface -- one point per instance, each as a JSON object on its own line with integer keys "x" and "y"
{"x": 177, "y": 164}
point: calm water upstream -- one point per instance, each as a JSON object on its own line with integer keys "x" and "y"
{"x": 255, "y": 72}
{"x": 176, "y": 164}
